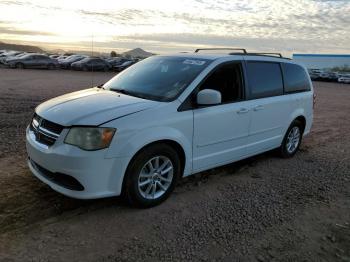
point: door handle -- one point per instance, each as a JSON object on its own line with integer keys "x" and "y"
{"x": 243, "y": 110}
{"x": 257, "y": 108}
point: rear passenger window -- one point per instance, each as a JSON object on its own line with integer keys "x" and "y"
{"x": 264, "y": 79}
{"x": 295, "y": 78}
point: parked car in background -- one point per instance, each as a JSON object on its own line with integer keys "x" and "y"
{"x": 54, "y": 56}
{"x": 66, "y": 63}
{"x": 9, "y": 54}
{"x": 314, "y": 74}
{"x": 31, "y": 61}
{"x": 13, "y": 56}
{"x": 328, "y": 76}
{"x": 323, "y": 76}
{"x": 332, "y": 77}
{"x": 344, "y": 79}
{"x": 91, "y": 64}
{"x": 123, "y": 66}
{"x": 115, "y": 61}
{"x": 61, "y": 57}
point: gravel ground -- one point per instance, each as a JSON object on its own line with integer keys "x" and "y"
{"x": 260, "y": 209}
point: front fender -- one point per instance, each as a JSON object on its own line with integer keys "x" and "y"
{"x": 142, "y": 138}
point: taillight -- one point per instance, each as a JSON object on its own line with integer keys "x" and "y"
{"x": 314, "y": 101}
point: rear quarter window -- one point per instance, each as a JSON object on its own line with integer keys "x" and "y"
{"x": 264, "y": 79}
{"x": 295, "y": 78}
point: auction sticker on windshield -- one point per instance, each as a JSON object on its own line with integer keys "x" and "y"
{"x": 194, "y": 62}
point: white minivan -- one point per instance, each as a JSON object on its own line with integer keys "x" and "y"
{"x": 167, "y": 117}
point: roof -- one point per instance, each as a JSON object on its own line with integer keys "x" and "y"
{"x": 215, "y": 56}
{"x": 198, "y": 55}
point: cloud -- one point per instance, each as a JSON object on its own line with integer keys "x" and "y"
{"x": 13, "y": 31}
{"x": 188, "y": 42}
{"x": 269, "y": 24}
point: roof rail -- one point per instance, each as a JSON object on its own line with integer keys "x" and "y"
{"x": 263, "y": 54}
{"x": 268, "y": 54}
{"x": 237, "y": 49}
{"x": 244, "y": 52}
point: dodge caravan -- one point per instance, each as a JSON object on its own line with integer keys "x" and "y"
{"x": 167, "y": 117}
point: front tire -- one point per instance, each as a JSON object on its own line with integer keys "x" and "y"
{"x": 152, "y": 175}
{"x": 292, "y": 139}
{"x": 19, "y": 66}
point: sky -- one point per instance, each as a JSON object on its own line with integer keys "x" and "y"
{"x": 287, "y": 26}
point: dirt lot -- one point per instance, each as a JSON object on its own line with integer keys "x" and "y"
{"x": 261, "y": 209}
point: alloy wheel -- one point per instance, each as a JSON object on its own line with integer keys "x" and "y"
{"x": 155, "y": 177}
{"x": 293, "y": 139}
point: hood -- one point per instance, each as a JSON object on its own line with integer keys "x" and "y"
{"x": 92, "y": 106}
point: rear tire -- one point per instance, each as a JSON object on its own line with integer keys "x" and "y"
{"x": 292, "y": 139}
{"x": 152, "y": 175}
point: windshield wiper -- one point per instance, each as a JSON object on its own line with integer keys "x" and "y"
{"x": 122, "y": 91}
{"x": 100, "y": 86}
{"x": 127, "y": 92}
{"x": 133, "y": 93}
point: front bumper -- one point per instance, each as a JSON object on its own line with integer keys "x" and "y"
{"x": 99, "y": 176}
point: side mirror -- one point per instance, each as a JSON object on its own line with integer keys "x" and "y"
{"x": 208, "y": 97}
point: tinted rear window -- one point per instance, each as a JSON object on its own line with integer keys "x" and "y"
{"x": 295, "y": 78}
{"x": 264, "y": 79}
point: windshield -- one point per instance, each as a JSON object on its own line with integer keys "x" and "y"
{"x": 158, "y": 78}
{"x": 84, "y": 60}
{"x": 25, "y": 56}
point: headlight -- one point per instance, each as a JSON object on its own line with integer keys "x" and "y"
{"x": 90, "y": 138}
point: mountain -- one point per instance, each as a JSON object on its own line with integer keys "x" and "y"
{"x": 137, "y": 52}
{"x": 24, "y": 48}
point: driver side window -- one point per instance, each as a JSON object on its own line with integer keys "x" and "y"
{"x": 227, "y": 79}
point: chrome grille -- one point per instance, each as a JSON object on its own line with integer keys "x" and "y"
{"x": 45, "y": 131}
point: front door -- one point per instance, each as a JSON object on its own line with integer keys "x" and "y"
{"x": 221, "y": 131}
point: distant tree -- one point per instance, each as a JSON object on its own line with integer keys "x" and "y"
{"x": 127, "y": 56}
{"x": 344, "y": 68}
{"x": 113, "y": 54}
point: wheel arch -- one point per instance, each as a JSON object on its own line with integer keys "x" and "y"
{"x": 302, "y": 120}
{"x": 172, "y": 143}
{"x": 19, "y": 63}
{"x": 298, "y": 114}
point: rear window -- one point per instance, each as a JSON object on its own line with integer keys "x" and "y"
{"x": 295, "y": 78}
{"x": 264, "y": 79}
